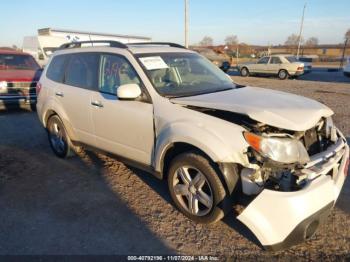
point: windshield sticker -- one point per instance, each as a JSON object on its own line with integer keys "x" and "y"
{"x": 153, "y": 62}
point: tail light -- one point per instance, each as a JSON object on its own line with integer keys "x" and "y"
{"x": 38, "y": 88}
{"x": 300, "y": 68}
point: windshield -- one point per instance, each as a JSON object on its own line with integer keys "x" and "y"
{"x": 291, "y": 59}
{"x": 184, "y": 74}
{"x": 21, "y": 62}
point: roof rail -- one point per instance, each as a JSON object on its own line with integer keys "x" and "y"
{"x": 158, "y": 43}
{"x": 78, "y": 44}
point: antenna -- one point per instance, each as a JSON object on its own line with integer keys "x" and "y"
{"x": 301, "y": 30}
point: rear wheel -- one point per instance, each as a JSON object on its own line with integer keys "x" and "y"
{"x": 58, "y": 137}
{"x": 244, "y": 72}
{"x": 195, "y": 188}
{"x": 283, "y": 74}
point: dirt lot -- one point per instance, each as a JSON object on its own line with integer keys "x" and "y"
{"x": 92, "y": 204}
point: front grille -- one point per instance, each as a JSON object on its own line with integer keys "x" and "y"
{"x": 317, "y": 139}
{"x": 18, "y": 90}
{"x": 21, "y": 84}
{"x": 311, "y": 141}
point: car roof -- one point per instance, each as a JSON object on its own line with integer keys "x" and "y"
{"x": 144, "y": 49}
{"x": 278, "y": 55}
{"x": 12, "y": 52}
{"x": 147, "y": 48}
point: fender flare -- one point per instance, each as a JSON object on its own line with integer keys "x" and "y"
{"x": 204, "y": 140}
{"x": 52, "y": 108}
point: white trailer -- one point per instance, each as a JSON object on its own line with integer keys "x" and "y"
{"x": 49, "y": 39}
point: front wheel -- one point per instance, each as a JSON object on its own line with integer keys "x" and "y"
{"x": 196, "y": 188}
{"x": 244, "y": 72}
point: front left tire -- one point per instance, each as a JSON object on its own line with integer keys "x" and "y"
{"x": 244, "y": 72}
{"x": 196, "y": 188}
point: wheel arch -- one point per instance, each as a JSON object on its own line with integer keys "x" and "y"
{"x": 245, "y": 67}
{"x": 227, "y": 172}
{"x": 51, "y": 112}
{"x": 283, "y": 69}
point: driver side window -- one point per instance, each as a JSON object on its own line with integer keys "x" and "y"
{"x": 115, "y": 71}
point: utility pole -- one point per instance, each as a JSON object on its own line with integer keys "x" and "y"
{"x": 186, "y": 23}
{"x": 301, "y": 30}
{"x": 343, "y": 55}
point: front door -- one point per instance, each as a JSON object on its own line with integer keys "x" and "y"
{"x": 122, "y": 127}
{"x": 261, "y": 66}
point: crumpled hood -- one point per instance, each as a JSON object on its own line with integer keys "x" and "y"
{"x": 274, "y": 108}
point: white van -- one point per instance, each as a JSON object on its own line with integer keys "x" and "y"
{"x": 50, "y": 39}
{"x": 41, "y": 47}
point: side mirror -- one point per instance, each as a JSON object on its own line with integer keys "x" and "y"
{"x": 41, "y": 57}
{"x": 129, "y": 91}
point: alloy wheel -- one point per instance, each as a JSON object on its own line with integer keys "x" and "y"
{"x": 193, "y": 190}
{"x": 57, "y": 137}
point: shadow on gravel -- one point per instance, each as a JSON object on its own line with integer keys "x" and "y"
{"x": 62, "y": 207}
{"x": 14, "y": 110}
{"x": 160, "y": 186}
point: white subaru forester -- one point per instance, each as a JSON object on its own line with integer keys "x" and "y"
{"x": 171, "y": 112}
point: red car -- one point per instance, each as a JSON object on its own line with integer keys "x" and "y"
{"x": 19, "y": 73}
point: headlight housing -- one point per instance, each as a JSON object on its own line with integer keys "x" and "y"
{"x": 283, "y": 150}
{"x": 3, "y": 84}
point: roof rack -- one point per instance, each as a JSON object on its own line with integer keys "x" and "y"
{"x": 158, "y": 43}
{"x": 116, "y": 44}
{"x": 78, "y": 44}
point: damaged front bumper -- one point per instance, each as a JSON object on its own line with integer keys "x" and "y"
{"x": 282, "y": 219}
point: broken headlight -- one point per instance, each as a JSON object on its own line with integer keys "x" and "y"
{"x": 279, "y": 149}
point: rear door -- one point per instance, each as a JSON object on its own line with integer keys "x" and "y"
{"x": 122, "y": 127}
{"x": 75, "y": 93}
{"x": 274, "y": 65}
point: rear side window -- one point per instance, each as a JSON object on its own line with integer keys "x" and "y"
{"x": 275, "y": 60}
{"x": 55, "y": 72}
{"x": 82, "y": 70}
{"x": 291, "y": 59}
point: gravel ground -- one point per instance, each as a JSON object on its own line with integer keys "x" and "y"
{"x": 92, "y": 204}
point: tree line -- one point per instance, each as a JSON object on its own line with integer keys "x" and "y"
{"x": 292, "y": 40}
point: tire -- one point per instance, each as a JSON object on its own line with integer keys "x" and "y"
{"x": 192, "y": 179}
{"x": 58, "y": 138}
{"x": 33, "y": 107}
{"x": 244, "y": 72}
{"x": 283, "y": 74}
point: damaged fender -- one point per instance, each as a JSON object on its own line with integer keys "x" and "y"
{"x": 204, "y": 139}
{"x": 282, "y": 219}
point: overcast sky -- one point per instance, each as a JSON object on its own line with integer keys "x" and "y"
{"x": 259, "y": 22}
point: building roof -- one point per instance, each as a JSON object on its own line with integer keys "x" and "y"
{"x": 47, "y": 31}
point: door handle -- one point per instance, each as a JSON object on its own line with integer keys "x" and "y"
{"x": 96, "y": 103}
{"x": 60, "y": 94}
